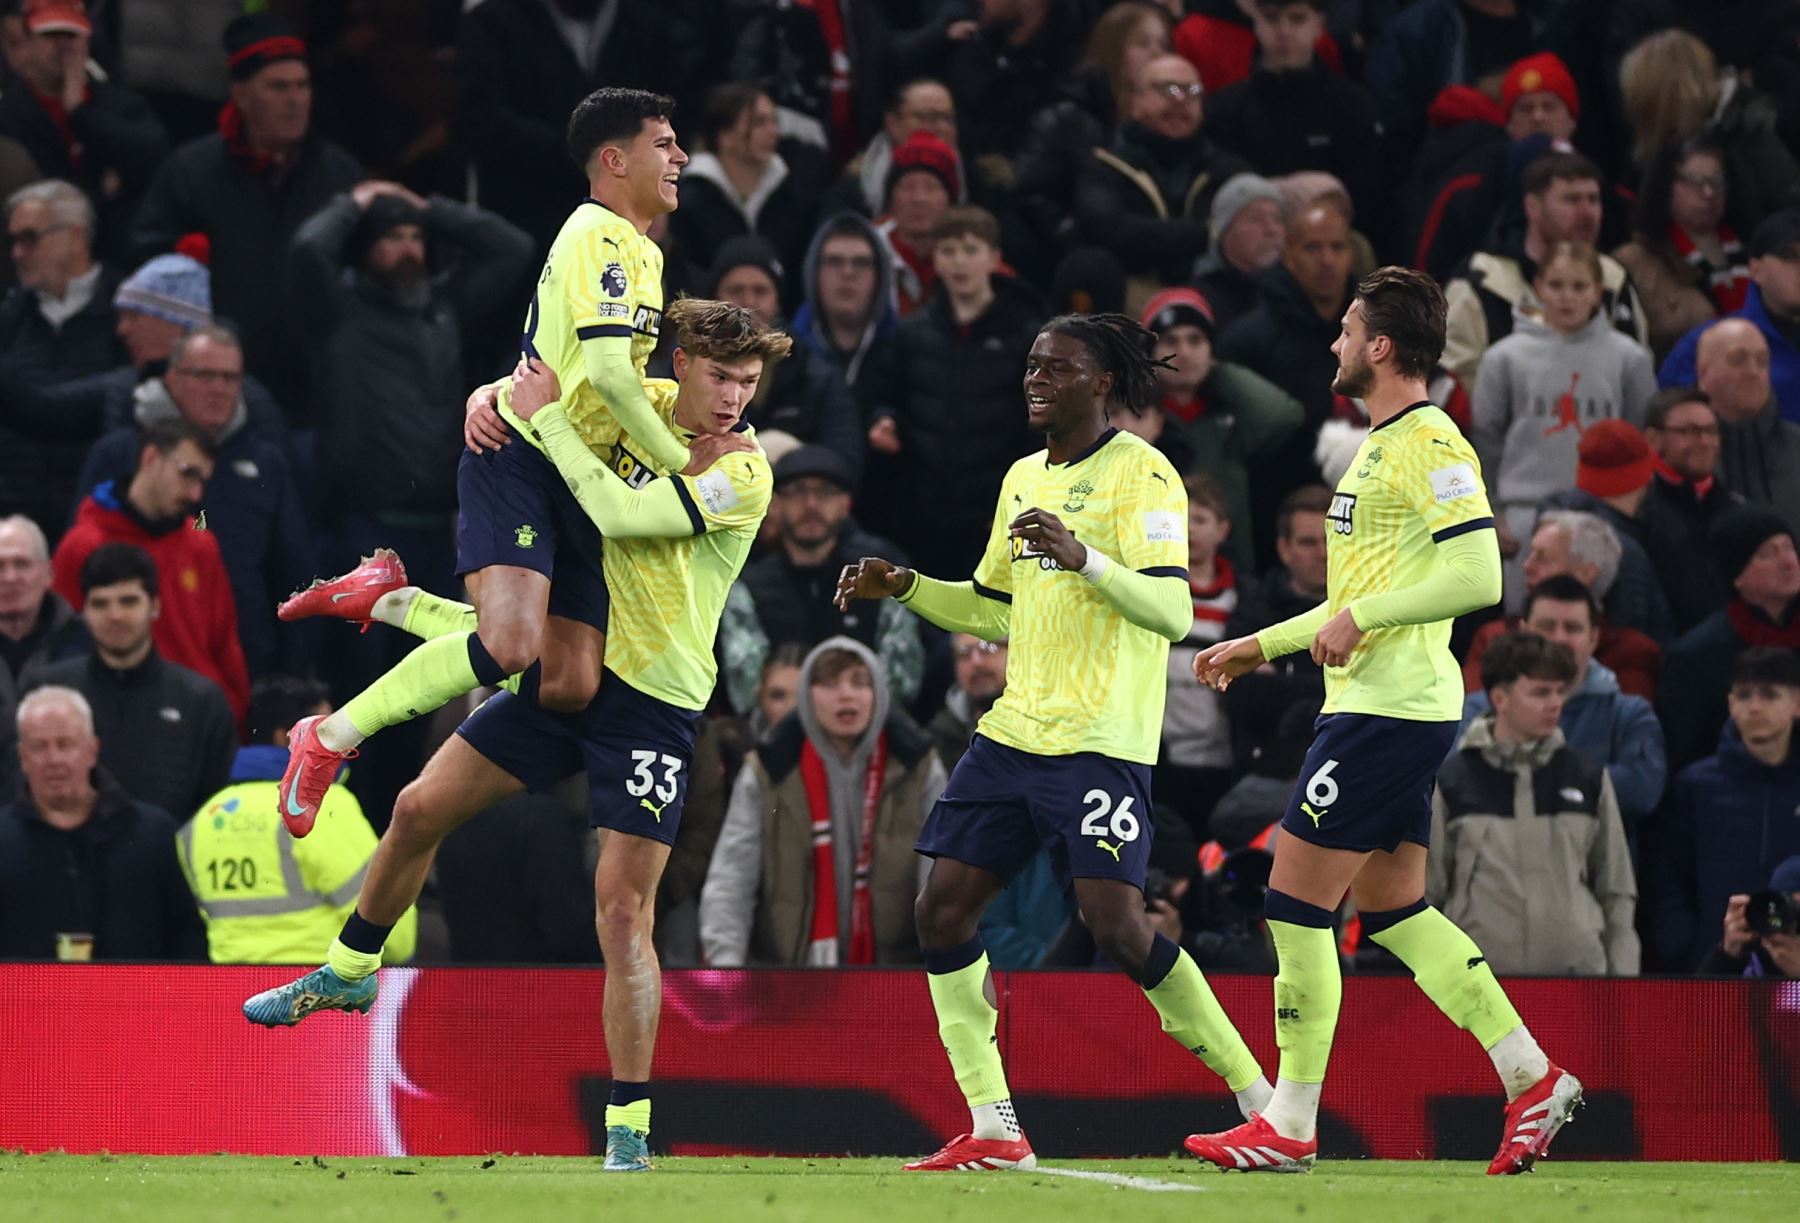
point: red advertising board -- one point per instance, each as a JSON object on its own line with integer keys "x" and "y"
{"x": 464, "y": 1061}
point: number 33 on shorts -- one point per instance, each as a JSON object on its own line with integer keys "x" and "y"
{"x": 644, "y": 782}
{"x": 1102, "y": 820}
{"x": 1321, "y": 792}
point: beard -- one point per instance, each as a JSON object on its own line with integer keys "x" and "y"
{"x": 1355, "y": 379}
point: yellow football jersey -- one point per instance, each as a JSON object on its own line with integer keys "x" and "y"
{"x": 1079, "y": 676}
{"x": 668, "y": 594}
{"x": 602, "y": 279}
{"x": 1415, "y": 482}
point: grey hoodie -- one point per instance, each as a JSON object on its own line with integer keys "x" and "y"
{"x": 1539, "y": 389}
{"x": 809, "y": 321}
{"x": 728, "y": 900}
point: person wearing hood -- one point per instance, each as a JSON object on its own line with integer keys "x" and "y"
{"x": 87, "y": 872}
{"x": 747, "y": 181}
{"x": 252, "y": 504}
{"x": 154, "y": 509}
{"x": 1530, "y": 855}
{"x": 1612, "y": 730}
{"x": 1562, "y": 203}
{"x": 947, "y": 398}
{"x": 266, "y": 897}
{"x": 1560, "y": 372}
{"x": 1146, "y": 197}
{"x": 849, "y": 306}
{"x": 1756, "y": 549}
{"x": 248, "y": 187}
{"x": 814, "y": 865}
{"x": 804, "y": 400}
{"x": 1729, "y": 820}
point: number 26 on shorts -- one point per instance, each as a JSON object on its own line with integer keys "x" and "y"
{"x": 1123, "y": 824}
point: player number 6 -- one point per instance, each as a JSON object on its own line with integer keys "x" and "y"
{"x": 1321, "y": 789}
{"x": 1122, "y": 827}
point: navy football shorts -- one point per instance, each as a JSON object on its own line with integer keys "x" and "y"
{"x": 514, "y": 508}
{"x": 1367, "y": 782}
{"x": 1091, "y": 812}
{"x": 635, "y": 749}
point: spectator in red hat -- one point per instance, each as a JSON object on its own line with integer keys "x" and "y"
{"x": 1215, "y": 416}
{"x": 1544, "y": 388}
{"x": 248, "y": 187}
{"x": 1539, "y": 98}
{"x": 1147, "y": 196}
{"x": 924, "y": 180}
{"x": 76, "y": 124}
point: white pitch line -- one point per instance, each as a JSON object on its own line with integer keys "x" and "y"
{"x": 1145, "y": 1183}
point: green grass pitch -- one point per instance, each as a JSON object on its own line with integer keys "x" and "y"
{"x": 231, "y": 1189}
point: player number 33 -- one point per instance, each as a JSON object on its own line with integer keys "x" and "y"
{"x": 642, "y": 780}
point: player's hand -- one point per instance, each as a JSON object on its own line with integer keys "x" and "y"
{"x": 483, "y": 427}
{"x": 709, "y": 448}
{"x": 1333, "y": 644}
{"x": 1784, "y": 949}
{"x": 1217, "y": 665}
{"x": 1047, "y": 535}
{"x": 884, "y": 435}
{"x": 534, "y": 387}
{"x": 1739, "y": 937}
{"x": 871, "y": 578}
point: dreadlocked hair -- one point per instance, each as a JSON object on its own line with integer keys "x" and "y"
{"x": 1122, "y": 347}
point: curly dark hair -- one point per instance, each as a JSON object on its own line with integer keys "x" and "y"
{"x": 1122, "y": 347}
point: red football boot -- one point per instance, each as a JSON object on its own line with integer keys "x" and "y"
{"x": 1254, "y": 1147}
{"x": 1533, "y": 1119}
{"x": 965, "y": 1153}
{"x": 311, "y": 769}
{"x": 350, "y": 597}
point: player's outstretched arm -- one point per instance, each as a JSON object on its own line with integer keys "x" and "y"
{"x": 959, "y": 607}
{"x": 612, "y": 373}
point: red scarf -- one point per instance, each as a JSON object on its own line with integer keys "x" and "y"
{"x": 59, "y": 119}
{"x": 822, "y": 943}
{"x": 837, "y": 48}
{"x": 1187, "y": 411}
{"x": 1223, "y": 580}
{"x": 1728, "y": 285}
{"x": 237, "y": 143}
{"x": 1754, "y": 628}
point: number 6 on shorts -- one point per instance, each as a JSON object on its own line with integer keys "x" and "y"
{"x": 1321, "y": 787}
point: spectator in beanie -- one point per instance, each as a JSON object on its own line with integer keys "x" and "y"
{"x": 1685, "y": 499}
{"x": 945, "y": 398}
{"x": 803, "y": 399}
{"x": 1772, "y": 306}
{"x": 166, "y": 733}
{"x": 154, "y": 510}
{"x": 1686, "y": 261}
{"x": 923, "y": 104}
{"x": 1294, "y": 112}
{"x": 1612, "y": 729}
{"x": 1146, "y": 196}
{"x": 1247, "y": 228}
{"x": 1729, "y": 821}
{"x": 56, "y": 327}
{"x": 248, "y": 187}
{"x": 1756, "y": 548}
{"x": 77, "y": 124}
{"x": 1759, "y": 449}
{"x": 1562, "y": 202}
{"x": 849, "y": 306}
{"x": 923, "y": 181}
{"x": 742, "y": 183}
{"x": 252, "y": 501}
{"x": 1215, "y": 417}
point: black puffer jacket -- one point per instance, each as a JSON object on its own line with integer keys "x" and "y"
{"x": 954, "y": 393}
{"x": 1061, "y": 140}
{"x": 44, "y": 435}
{"x": 1146, "y": 199}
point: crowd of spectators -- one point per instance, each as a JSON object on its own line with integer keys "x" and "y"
{"x": 259, "y": 254}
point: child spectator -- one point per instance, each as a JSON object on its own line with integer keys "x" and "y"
{"x": 1557, "y": 373}
{"x": 1196, "y": 742}
{"x": 1530, "y": 854}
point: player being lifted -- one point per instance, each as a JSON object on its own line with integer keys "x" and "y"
{"x": 593, "y": 319}
{"x": 1411, "y": 545}
{"x": 1085, "y": 572}
{"x": 674, "y": 547}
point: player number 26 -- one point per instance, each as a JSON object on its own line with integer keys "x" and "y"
{"x": 642, "y": 780}
{"x": 1322, "y": 787}
{"x": 1123, "y": 826}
